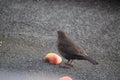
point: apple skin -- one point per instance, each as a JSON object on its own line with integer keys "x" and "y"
{"x": 53, "y": 58}
{"x": 65, "y": 78}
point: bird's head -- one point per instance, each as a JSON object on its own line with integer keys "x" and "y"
{"x": 61, "y": 34}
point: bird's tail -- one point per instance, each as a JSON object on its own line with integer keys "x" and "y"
{"x": 91, "y": 60}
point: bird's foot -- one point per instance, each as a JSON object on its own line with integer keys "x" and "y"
{"x": 64, "y": 66}
{"x": 36, "y": 0}
{"x": 68, "y": 64}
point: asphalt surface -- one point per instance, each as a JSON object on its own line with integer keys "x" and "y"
{"x": 28, "y": 32}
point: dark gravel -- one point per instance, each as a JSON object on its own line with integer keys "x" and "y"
{"x": 28, "y": 32}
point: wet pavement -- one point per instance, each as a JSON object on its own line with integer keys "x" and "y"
{"x": 28, "y": 32}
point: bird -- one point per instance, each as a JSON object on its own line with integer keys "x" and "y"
{"x": 69, "y": 50}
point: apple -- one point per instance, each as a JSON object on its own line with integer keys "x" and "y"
{"x": 53, "y": 58}
{"x": 65, "y": 78}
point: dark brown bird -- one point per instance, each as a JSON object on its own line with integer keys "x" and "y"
{"x": 69, "y": 50}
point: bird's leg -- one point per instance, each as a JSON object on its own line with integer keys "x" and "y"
{"x": 65, "y": 66}
{"x": 69, "y": 63}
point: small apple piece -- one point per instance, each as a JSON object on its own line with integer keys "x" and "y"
{"x": 65, "y": 78}
{"x": 53, "y": 58}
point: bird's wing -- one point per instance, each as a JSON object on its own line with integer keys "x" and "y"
{"x": 81, "y": 51}
{"x": 71, "y": 48}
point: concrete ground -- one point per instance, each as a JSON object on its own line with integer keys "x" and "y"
{"x": 28, "y": 32}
